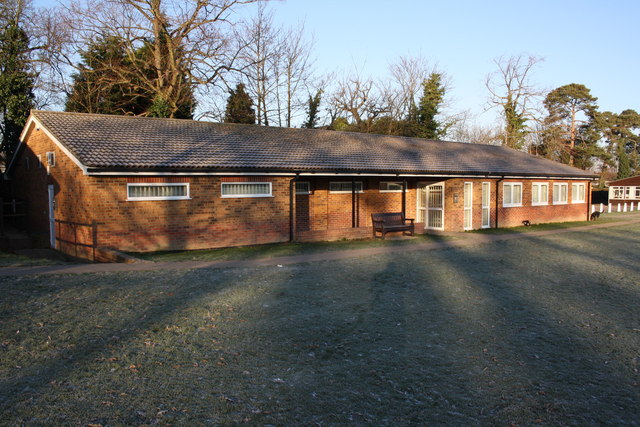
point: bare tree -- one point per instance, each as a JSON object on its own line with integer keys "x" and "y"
{"x": 359, "y": 99}
{"x": 295, "y": 74}
{"x": 278, "y": 68}
{"x": 510, "y": 90}
{"x": 261, "y": 40}
{"x": 405, "y": 85}
{"x": 190, "y": 43}
{"x": 466, "y": 129}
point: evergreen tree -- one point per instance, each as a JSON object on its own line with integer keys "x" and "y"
{"x": 624, "y": 169}
{"x": 515, "y": 125}
{"x": 312, "y": 110}
{"x": 16, "y": 84}
{"x": 98, "y": 88}
{"x": 428, "y": 108}
{"x": 111, "y": 81}
{"x": 240, "y": 107}
{"x": 565, "y": 104}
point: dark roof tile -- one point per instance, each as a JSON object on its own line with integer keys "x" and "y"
{"x": 125, "y": 142}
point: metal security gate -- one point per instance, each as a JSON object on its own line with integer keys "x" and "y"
{"x": 431, "y": 205}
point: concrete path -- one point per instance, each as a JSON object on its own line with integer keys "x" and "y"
{"x": 464, "y": 239}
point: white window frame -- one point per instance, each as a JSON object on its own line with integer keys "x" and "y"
{"x": 303, "y": 192}
{"x": 637, "y": 193}
{"x": 384, "y": 186}
{"x": 577, "y": 185}
{"x": 486, "y": 190}
{"x": 51, "y": 158}
{"x": 235, "y": 196}
{"x": 511, "y": 185}
{"x": 358, "y": 190}
{"x": 159, "y": 184}
{"x": 559, "y": 185}
{"x": 536, "y": 188}
{"x": 627, "y": 192}
{"x": 617, "y": 192}
{"x": 467, "y": 206}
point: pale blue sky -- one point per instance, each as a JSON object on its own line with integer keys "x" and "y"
{"x": 592, "y": 42}
{"x": 595, "y": 43}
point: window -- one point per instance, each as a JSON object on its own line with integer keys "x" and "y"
{"x": 39, "y": 161}
{"x": 164, "y": 191}
{"x": 468, "y": 206}
{"x": 627, "y": 192}
{"x": 637, "y": 192}
{"x": 246, "y": 189}
{"x": 578, "y": 193}
{"x": 559, "y": 194}
{"x": 539, "y": 193}
{"x": 390, "y": 186}
{"x": 344, "y": 187}
{"x": 51, "y": 158}
{"x": 618, "y": 192}
{"x": 303, "y": 187}
{"x": 512, "y": 194}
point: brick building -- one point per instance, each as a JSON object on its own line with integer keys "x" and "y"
{"x": 144, "y": 184}
{"x": 625, "y": 190}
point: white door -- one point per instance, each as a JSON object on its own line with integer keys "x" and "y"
{"x": 468, "y": 205}
{"x": 486, "y": 199}
{"x": 52, "y": 219}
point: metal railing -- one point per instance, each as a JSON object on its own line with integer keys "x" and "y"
{"x": 71, "y": 238}
{"x": 12, "y": 208}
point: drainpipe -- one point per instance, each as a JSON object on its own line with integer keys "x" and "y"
{"x": 498, "y": 198}
{"x": 589, "y": 200}
{"x": 353, "y": 202}
{"x": 404, "y": 197}
{"x": 292, "y": 208}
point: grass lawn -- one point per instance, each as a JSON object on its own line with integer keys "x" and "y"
{"x": 8, "y": 259}
{"x": 604, "y": 218}
{"x": 285, "y": 249}
{"x": 522, "y": 332}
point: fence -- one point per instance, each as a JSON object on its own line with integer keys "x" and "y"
{"x": 615, "y": 207}
{"x": 11, "y": 210}
{"x": 77, "y": 239}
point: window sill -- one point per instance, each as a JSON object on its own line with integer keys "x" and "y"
{"x": 155, "y": 199}
{"x": 246, "y": 196}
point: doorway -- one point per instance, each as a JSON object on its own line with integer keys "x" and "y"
{"x": 431, "y": 205}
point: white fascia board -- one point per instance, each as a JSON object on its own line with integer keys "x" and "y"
{"x": 323, "y": 174}
{"x": 33, "y": 121}
{"x": 98, "y": 173}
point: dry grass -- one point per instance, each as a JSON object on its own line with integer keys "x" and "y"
{"x": 520, "y": 332}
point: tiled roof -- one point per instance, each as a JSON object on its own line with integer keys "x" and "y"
{"x": 631, "y": 181}
{"x": 102, "y": 142}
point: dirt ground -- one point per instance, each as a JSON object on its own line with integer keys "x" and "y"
{"x": 531, "y": 331}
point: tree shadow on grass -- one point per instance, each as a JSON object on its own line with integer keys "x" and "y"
{"x": 58, "y": 330}
{"x": 550, "y": 363}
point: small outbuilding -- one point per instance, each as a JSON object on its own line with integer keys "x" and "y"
{"x": 145, "y": 184}
{"x": 625, "y": 190}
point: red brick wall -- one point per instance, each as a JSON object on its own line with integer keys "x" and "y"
{"x": 207, "y": 220}
{"x": 204, "y": 221}
{"x": 324, "y": 215}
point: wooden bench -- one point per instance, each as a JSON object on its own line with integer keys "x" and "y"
{"x": 392, "y": 221}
